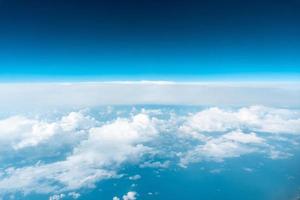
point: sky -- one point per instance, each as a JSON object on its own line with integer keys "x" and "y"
{"x": 149, "y": 99}
{"x": 149, "y": 40}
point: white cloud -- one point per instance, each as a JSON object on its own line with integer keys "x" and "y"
{"x": 276, "y": 154}
{"x": 211, "y": 120}
{"x": 255, "y": 118}
{"x": 240, "y": 137}
{"x": 74, "y": 195}
{"x": 98, "y": 148}
{"x": 29, "y": 96}
{"x": 57, "y": 197}
{"x": 230, "y": 145}
{"x": 155, "y": 164}
{"x": 77, "y": 120}
{"x": 71, "y": 174}
{"x": 23, "y": 132}
{"x": 93, "y": 159}
{"x": 130, "y": 196}
{"x": 135, "y": 177}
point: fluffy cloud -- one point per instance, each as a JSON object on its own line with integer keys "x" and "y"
{"x": 130, "y": 196}
{"x": 95, "y": 149}
{"x": 57, "y": 197}
{"x": 233, "y": 144}
{"x": 72, "y": 195}
{"x": 243, "y": 138}
{"x": 70, "y": 174}
{"x": 255, "y": 118}
{"x": 155, "y": 164}
{"x": 93, "y": 159}
{"x": 228, "y": 133}
{"x": 23, "y": 132}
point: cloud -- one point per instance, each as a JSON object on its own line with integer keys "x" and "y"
{"x": 23, "y": 132}
{"x": 215, "y": 171}
{"x": 48, "y": 178}
{"x": 229, "y": 133}
{"x": 74, "y": 195}
{"x": 130, "y": 196}
{"x": 71, "y": 151}
{"x": 243, "y": 138}
{"x": 230, "y": 145}
{"x": 95, "y": 158}
{"x": 40, "y": 96}
{"x": 57, "y": 197}
{"x": 155, "y": 164}
{"x": 135, "y": 177}
{"x": 255, "y": 118}
{"x": 276, "y": 154}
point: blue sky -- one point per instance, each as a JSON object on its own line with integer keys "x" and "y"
{"x": 134, "y": 40}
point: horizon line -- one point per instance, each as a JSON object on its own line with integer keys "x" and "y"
{"x": 155, "y": 82}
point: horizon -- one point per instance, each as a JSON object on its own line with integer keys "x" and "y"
{"x": 149, "y": 100}
{"x": 193, "y": 79}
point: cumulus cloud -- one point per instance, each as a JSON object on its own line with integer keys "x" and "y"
{"x": 229, "y": 133}
{"x": 155, "y": 138}
{"x": 24, "y": 132}
{"x": 255, "y": 118}
{"x": 130, "y": 196}
{"x": 70, "y": 174}
{"x": 93, "y": 159}
{"x": 233, "y": 144}
{"x": 240, "y": 137}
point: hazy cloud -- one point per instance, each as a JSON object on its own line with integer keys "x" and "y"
{"x": 30, "y": 96}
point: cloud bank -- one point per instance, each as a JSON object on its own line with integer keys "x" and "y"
{"x": 30, "y": 96}
{"x": 85, "y": 149}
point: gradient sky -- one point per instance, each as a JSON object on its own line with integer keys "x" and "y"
{"x": 148, "y": 39}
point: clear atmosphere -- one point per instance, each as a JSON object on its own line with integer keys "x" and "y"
{"x": 149, "y": 39}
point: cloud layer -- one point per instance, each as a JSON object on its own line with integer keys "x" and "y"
{"x": 78, "y": 149}
{"x": 28, "y": 96}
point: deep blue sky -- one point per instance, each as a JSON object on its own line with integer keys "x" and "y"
{"x": 149, "y": 39}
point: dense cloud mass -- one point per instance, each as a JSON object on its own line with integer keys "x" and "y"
{"x": 63, "y": 154}
{"x": 40, "y": 96}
